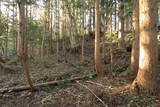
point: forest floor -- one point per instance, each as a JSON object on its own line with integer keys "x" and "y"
{"x": 110, "y": 88}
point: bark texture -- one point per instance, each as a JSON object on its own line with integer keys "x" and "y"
{"x": 135, "y": 45}
{"x": 121, "y": 34}
{"x": 97, "y": 38}
{"x": 148, "y": 73}
{"x": 23, "y": 40}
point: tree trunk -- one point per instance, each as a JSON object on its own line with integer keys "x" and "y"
{"x": 97, "y": 38}
{"x": 6, "y": 39}
{"x": 51, "y": 27}
{"x": 23, "y": 39}
{"x": 121, "y": 24}
{"x": 57, "y": 28}
{"x": 111, "y": 43}
{"x": 16, "y": 39}
{"x": 148, "y": 73}
{"x": 135, "y": 45}
{"x": 65, "y": 36}
{"x": 94, "y": 17}
{"x": 115, "y": 17}
{"x": 13, "y": 25}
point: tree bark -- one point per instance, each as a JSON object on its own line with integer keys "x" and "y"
{"x": 115, "y": 12}
{"x": 148, "y": 74}
{"x": 121, "y": 25}
{"x": 6, "y": 39}
{"x": 94, "y": 17}
{"x": 111, "y": 43}
{"x": 83, "y": 33}
{"x": 97, "y": 38}
{"x": 135, "y": 45}
{"x": 23, "y": 39}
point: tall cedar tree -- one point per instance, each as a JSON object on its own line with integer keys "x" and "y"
{"x": 97, "y": 38}
{"x": 148, "y": 74}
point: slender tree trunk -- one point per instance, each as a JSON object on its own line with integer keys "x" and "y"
{"x": 51, "y": 27}
{"x": 128, "y": 23}
{"x": 94, "y": 17}
{"x": 90, "y": 20}
{"x": 121, "y": 24}
{"x": 111, "y": 44}
{"x": 0, "y": 9}
{"x": 148, "y": 74}
{"x": 16, "y": 39}
{"x": 0, "y": 42}
{"x": 19, "y": 38}
{"x": 115, "y": 12}
{"x": 97, "y": 38}
{"x": 23, "y": 39}
{"x": 58, "y": 30}
{"x": 30, "y": 47}
{"x": 83, "y": 33}
{"x": 13, "y": 25}
{"x": 65, "y": 35}
{"x": 6, "y": 39}
{"x": 42, "y": 47}
{"x": 48, "y": 27}
{"x": 135, "y": 45}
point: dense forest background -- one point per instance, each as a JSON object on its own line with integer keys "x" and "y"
{"x": 91, "y": 53}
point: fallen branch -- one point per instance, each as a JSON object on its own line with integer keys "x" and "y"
{"x": 96, "y": 84}
{"x": 22, "y": 88}
{"x": 93, "y": 94}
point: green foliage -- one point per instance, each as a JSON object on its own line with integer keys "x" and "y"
{"x": 1, "y": 96}
{"x": 44, "y": 100}
{"x": 96, "y": 105}
{"x": 120, "y": 69}
{"x": 35, "y": 31}
{"x": 62, "y": 84}
{"x": 113, "y": 36}
{"x": 106, "y": 7}
{"x": 46, "y": 89}
{"x": 3, "y": 25}
{"x": 29, "y": 2}
{"x": 92, "y": 77}
{"x": 67, "y": 75}
{"x": 128, "y": 7}
{"x": 9, "y": 84}
{"x": 129, "y": 39}
{"x": 88, "y": 78}
{"x": 80, "y": 4}
{"x": 85, "y": 62}
{"x": 141, "y": 100}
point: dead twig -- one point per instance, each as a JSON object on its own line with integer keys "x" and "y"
{"x": 96, "y": 84}
{"x": 93, "y": 94}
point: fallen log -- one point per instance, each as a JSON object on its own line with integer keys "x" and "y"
{"x": 23, "y": 88}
